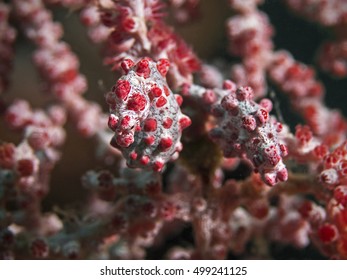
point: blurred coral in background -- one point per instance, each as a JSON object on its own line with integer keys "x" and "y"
{"x": 173, "y": 129}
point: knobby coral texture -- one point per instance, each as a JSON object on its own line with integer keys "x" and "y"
{"x": 236, "y": 154}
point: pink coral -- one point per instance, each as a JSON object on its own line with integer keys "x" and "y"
{"x": 237, "y": 154}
